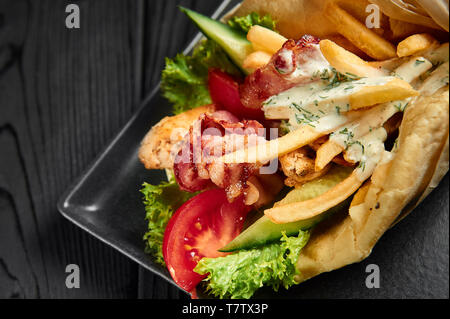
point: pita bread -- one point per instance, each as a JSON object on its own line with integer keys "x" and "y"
{"x": 397, "y": 186}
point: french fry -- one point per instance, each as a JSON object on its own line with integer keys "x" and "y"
{"x": 326, "y": 153}
{"x": 394, "y": 90}
{"x": 265, "y": 38}
{"x": 274, "y": 148}
{"x": 343, "y": 42}
{"x": 256, "y": 60}
{"x": 415, "y": 44}
{"x": 346, "y": 97}
{"x": 305, "y": 135}
{"x": 412, "y": 69}
{"x": 257, "y": 47}
{"x": 437, "y": 80}
{"x": 346, "y": 62}
{"x": 310, "y": 208}
{"x": 365, "y": 39}
{"x": 372, "y": 118}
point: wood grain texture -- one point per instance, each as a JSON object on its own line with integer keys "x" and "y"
{"x": 167, "y": 32}
{"x": 64, "y": 93}
{"x": 63, "y": 96}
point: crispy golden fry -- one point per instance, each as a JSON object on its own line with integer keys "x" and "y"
{"x": 381, "y": 114}
{"x": 365, "y": 39}
{"x": 316, "y": 187}
{"x": 257, "y": 47}
{"x": 359, "y": 94}
{"x": 275, "y": 148}
{"x": 415, "y": 44}
{"x": 373, "y": 118}
{"x": 346, "y": 62}
{"x": 265, "y": 38}
{"x": 392, "y": 91}
{"x": 326, "y": 153}
{"x": 316, "y": 206}
{"x": 256, "y": 60}
{"x": 343, "y": 42}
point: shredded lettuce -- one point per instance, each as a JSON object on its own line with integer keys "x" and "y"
{"x": 246, "y": 22}
{"x": 184, "y": 80}
{"x": 160, "y": 201}
{"x": 239, "y": 275}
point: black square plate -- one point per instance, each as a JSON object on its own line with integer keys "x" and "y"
{"x": 106, "y": 202}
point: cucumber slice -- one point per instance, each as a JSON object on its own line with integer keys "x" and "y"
{"x": 234, "y": 43}
{"x": 264, "y": 231}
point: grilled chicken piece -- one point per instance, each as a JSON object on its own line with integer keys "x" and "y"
{"x": 162, "y": 143}
{"x": 299, "y": 167}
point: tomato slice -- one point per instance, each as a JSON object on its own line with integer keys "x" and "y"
{"x": 224, "y": 91}
{"x": 204, "y": 224}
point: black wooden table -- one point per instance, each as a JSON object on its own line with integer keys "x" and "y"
{"x": 64, "y": 93}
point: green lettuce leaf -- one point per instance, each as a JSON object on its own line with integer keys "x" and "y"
{"x": 160, "y": 201}
{"x": 239, "y": 275}
{"x": 246, "y": 22}
{"x": 184, "y": 80}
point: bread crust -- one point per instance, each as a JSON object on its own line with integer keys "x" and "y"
{"x": 393, "y": 187}
{"x": 396, "y": 187}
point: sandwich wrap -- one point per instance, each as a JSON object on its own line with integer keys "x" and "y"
{"x": 398, "y": 185}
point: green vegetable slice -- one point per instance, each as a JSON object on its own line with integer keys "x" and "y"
{"x": 239, "y": 275}
{"x": 264, "y": 231}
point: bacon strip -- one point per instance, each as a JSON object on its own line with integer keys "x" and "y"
{"x": 290, "y": 66}
{"x": 197, "y": 166}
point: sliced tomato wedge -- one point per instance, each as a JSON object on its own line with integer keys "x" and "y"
{"x": 200, "y": 227}
{"x": 224, "y": 91}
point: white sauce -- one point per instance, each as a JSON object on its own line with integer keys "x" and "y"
{"x": 316, "y": 96}
{"x": 287, "y": 58}
{"x": 324, "y": 106}
{"x": 367, "y": 151}
{"x": 412, "y": 69}
{"x": 371, "y": 119}
{"x": 316, "y": 64}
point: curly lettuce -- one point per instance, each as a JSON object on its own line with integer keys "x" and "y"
{"x": 160, "y": 201}
{"x": 239, "y": 275}
{"x": 184, "y": 80}
{"x": 246, "y": 22}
